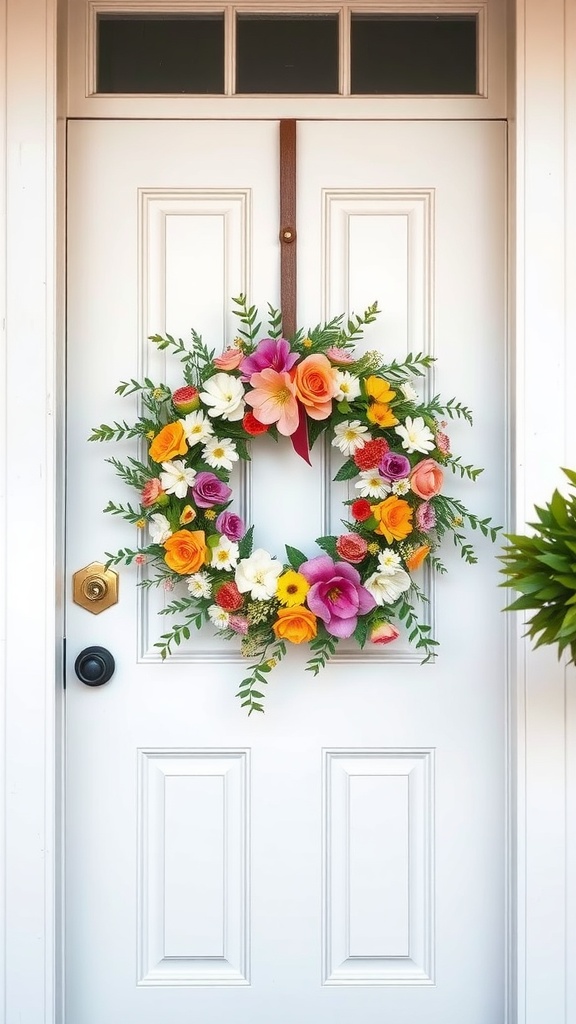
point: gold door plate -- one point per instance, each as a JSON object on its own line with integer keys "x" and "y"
{"x": 95, "y": 587}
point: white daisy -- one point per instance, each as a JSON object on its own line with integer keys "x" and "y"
{"x": 401, "y": 486}
{"x": 177, "y": 478}
{"x": 225, "y": 554}
{"x": 225, "y": 396}
{"x": 218, "y": 616}
{"x": 389, "y": 561}
{"x": 199, "y": 585}
{"x": 348, "y": 386}
{"x": 372, "y": 485}
{"x": 196, "y": 427}
{"x": 410, "y": 393}
{"x": 159, "y": 528}
{"x": 220, "y": 452}
{"x": 349, "y": 436}
{"x": 258, "y": 575}
{"x": 416, "y": 436}
{"x": 386, "y": 587}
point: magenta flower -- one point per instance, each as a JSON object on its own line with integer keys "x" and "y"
{"x": 394, "y": 467}
{"x": 208, "y": 490}
{"x": 336, "y": 594}
{"x": 231, "y": 525}
{"x": 269, "y": 354}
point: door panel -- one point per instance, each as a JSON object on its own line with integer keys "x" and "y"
{"x": 341, "y": 856}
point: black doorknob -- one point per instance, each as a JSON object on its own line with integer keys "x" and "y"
{"x": 94, "y": 666}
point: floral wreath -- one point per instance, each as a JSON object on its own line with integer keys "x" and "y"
{"x": 395, "y": 450}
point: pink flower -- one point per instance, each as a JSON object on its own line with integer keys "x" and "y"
{"x": 269, "y": 354}
{"x": 340, "y": 356}
{"x": 426, "y": 479}
{"x": 151, "y": 491}
{"x": 239, "y": 623}
{"x": 384, "y": 633}
{"x": 230, "y": 359}
{"x": 140, "y": 559}
{"x": 352, "y": 547}
{"x": 273, "y": 399}
{"x": 425, "y": 517}
{"x": 336, "y": 594}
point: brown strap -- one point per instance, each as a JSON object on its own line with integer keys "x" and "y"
{"x": 288, "y": 226}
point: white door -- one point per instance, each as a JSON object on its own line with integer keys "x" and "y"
{"x": 341, "y": 857}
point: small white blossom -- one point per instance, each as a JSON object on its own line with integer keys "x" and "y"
{"x": 196, "y": 427}
{"x": 218, "y": 616}
{"x": 348, "y": 386}
{"x": 177, "y": 478}
{"x": 372, "y": 485}
{"x": 389, "y": 560}
{"x": 159, "y": 528}
{"x": 349, "y": 436}
{"x": 225, "y": 396}
{"x": 401, "y": 486}
{"x": 386, "y": 587}
{"x": 410, "y": 393}
{"x": 416, "y": 436}
{"x": 225, "y": 554}
{"x": 220, "y": 452}
{"x": 258, "y": 575}
{"x": 199, "y": 585}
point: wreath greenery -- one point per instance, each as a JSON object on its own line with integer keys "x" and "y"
{"x": 395, "y": 451}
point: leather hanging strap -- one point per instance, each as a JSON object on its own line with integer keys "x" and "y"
{"x": 288, "y": 226}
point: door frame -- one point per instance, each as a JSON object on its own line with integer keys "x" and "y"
{"x": 542, "y": 694}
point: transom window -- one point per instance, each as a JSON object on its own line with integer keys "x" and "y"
{"x": 230, "y": 50}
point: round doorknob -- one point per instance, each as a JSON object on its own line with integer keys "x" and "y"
{"x": 94, "y": 666}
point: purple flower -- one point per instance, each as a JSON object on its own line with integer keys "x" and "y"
{"x": 208, "y": 490}
{"x": 336, "y": 594}
{"x": 270, "y": 353}
{"x": 425, "y": 517}
{"x": 393, "y": 466}
{"x": 231, "y": 525}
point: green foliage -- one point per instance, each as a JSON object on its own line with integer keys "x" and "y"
{"x": 295, "y": 557}
{"x": 542, "y": 569}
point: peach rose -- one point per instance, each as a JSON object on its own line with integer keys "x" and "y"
{"x": 394, "y": 517}
{"x": 426, "y": 479}
{"x": 169, "y": 443}
{"x": 151, "y": 492}
{"x": 414, "y": 561}
{"x": 298, "y": 624}
{"x": 315, "y": 382}
{"x": 230, "y": 359}
{"x": 186, "y": 551}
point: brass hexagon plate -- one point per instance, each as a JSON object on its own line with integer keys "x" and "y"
{"x": 95, "y": 587}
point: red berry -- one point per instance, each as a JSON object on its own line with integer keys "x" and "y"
{"x": 252, "y": 425}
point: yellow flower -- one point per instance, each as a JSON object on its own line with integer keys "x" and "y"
{"x": 292, "y": 588}
{"x": 271, "y": 662}
{"x": 379, "y": 389}
{"x": 188, "y": 515}
{"x": 140, "y": 523}
{"x": 373, "y": 548}
{"x": 306, "y": 343}
{"x": 150, "y": 435}
{"x": 210, "y": 513}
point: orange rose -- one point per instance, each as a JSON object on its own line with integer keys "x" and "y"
{"x": 394, "y": 518}
{"x": 426, "y": 479}
{"x": 169, "y": 443}
{"x": 414, "y": 561}
{"x": 298, "y": 624}
{"x": 315, "y": 383}
{"x": 380, "y": 394}
{"x": 186, "y": 551}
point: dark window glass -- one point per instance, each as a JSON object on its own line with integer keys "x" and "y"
{"x": 160, "y": 54}
{"x": 413, "y": 54}
{"x": 287, "y": 54}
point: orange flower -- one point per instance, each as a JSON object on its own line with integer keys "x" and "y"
{"x": 298, "y": 624}
{"x": 414, "y": 561}
{"x": 315, "y": 383}
{"x": 380, "y": 394}
{"x": 186, "y": 551}
{"x": 394, "y": 518}
{"x": 169, "y": 443}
